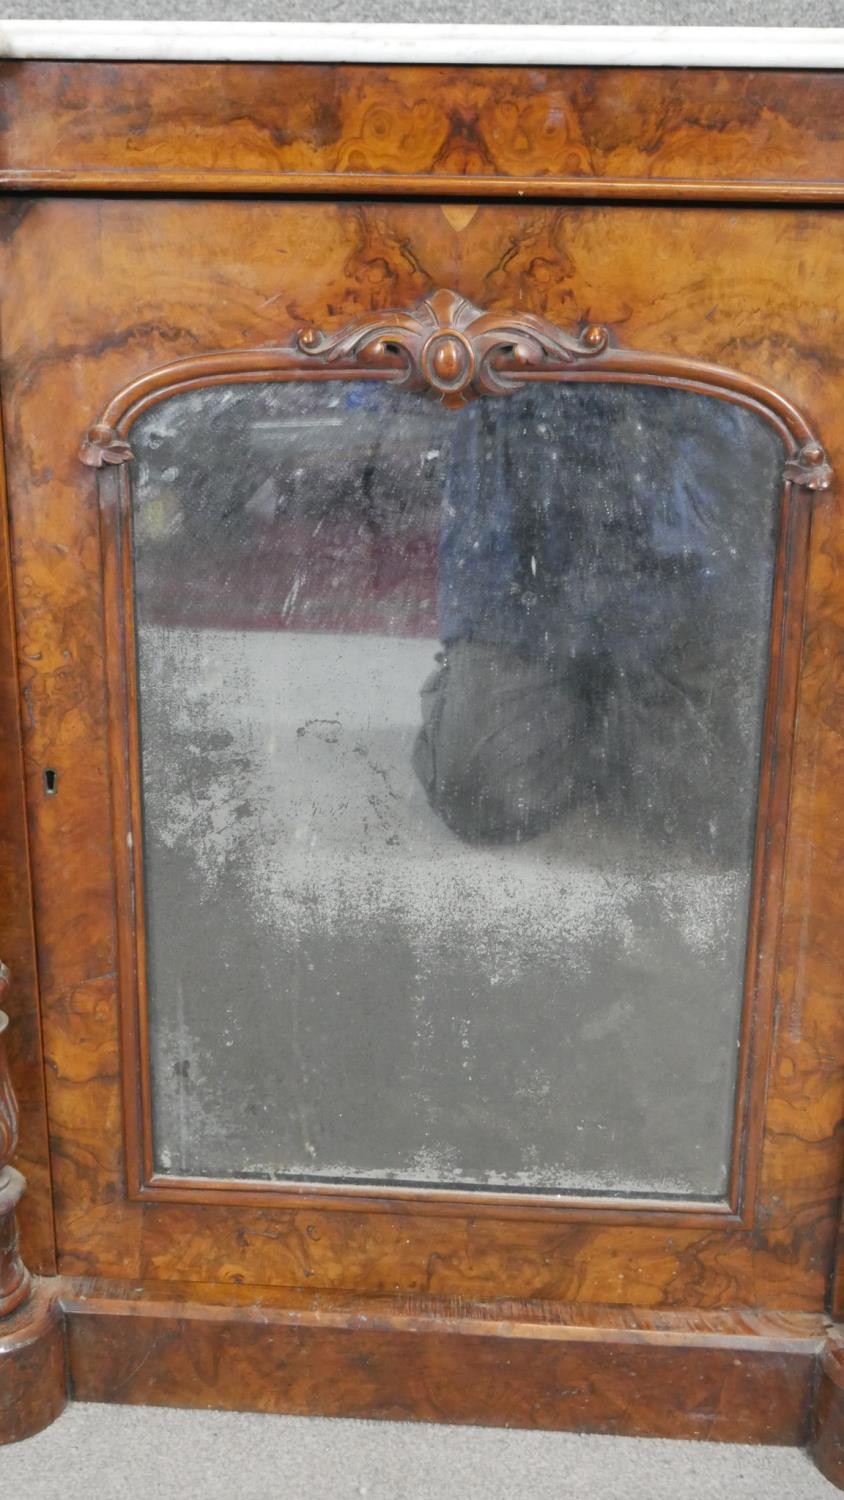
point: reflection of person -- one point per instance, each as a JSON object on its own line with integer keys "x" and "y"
{"x": 577, "y": 628}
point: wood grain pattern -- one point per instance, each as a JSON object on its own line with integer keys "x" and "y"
{"x": 733, "y": 1377}
{"x": 33, "y": 1381}
{"x": 97, "y": 292}
{"x": 530, "y": 131}
{"x": 17, "y": 942}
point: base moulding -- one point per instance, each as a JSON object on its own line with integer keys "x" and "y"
{"x": 726, "y": 1376}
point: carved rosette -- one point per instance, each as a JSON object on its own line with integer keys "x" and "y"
{"x": 454, "y": 350}
{"x": 14, "y": 1277}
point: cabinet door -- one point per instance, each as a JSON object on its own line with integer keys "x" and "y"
{"x": 435, "y": 892}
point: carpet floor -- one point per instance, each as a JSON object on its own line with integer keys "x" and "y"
{"x": 141, "y": 1453}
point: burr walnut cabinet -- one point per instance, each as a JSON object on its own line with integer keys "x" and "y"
{"x": 422, "y": 764}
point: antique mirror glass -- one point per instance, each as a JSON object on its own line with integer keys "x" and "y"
{"x": 450, "y": 732}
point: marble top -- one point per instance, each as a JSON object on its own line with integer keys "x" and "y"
{"x": 534, "y": 46}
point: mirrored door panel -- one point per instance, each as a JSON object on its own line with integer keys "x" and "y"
{"x": 450, "y": 731}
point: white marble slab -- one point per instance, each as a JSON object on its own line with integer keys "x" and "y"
{"x": 536, "y": 46}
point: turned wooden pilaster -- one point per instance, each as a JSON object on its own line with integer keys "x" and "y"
{"x": 14, "y": 1277}
{"x": 33, "y": 1384}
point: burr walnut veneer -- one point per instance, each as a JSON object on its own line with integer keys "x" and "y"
{"x": 466, "y": 235}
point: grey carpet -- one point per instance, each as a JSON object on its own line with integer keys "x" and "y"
{"x": 538, "y": 12}
{"x": 138, "y": 1453}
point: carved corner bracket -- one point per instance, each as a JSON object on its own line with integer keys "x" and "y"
{"x": 14, "y": 1277}
{"x": 453, "y": 349}
{"x": 101, "y": 445}
{"x": 809, "y": 468}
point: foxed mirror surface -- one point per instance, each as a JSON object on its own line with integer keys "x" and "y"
{"x": 450, "y": 734}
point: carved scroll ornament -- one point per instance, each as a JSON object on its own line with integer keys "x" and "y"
{"x": 452, "y": 348}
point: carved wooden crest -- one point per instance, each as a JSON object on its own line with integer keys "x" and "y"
{"x": 454, "y": 349}
{"x": 456, "y": 352}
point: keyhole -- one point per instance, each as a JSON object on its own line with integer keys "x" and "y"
{"x": 50, "y": 782}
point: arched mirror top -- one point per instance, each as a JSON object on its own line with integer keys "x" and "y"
{"x": 455, "y": 352}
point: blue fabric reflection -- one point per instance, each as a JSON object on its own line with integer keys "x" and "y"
{"x": 551, "y": 566}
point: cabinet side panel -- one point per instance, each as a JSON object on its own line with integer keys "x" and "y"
{"x": 17, "y": 939}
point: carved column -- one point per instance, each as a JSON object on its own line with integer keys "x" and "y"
{"x": 14, "y": 1277}
{"x": 32, "y": 1358}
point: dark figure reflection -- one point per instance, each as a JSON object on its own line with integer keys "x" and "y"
{"x": 576, "y": 618}
{"x": 589, "y": 556}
